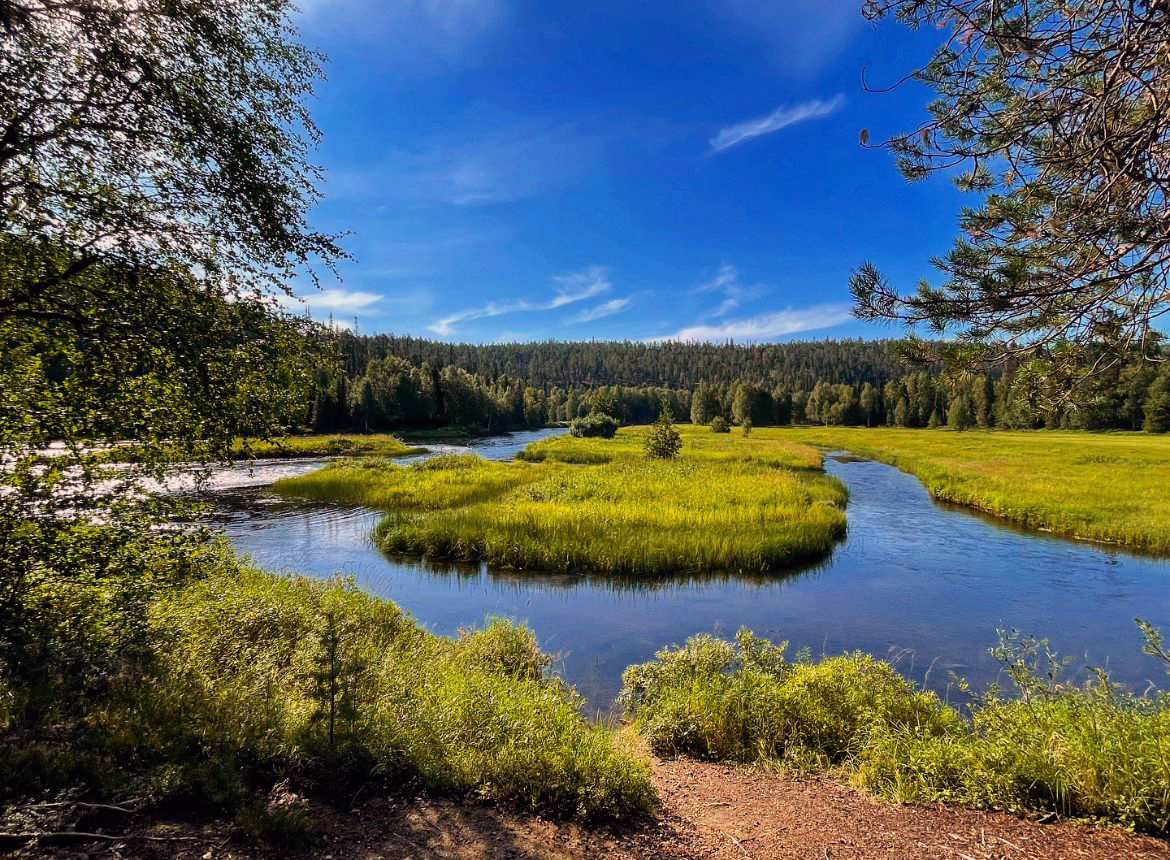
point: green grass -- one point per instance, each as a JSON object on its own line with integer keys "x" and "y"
{"x": 254, "y": 678}
{"x": 594, "y": 505}
{"x": 1091, "y": 752}
{"x": 341, "y": 444}
{"x": 1109, "y": 487}
{"x": 334, "y": 445}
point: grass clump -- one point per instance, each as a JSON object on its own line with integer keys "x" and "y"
{"x": 1108, "y": 487}
{"x": 757, "y": 504}
{"x": 1091, "y": 751}
{"x": 250, "y": 679}
{"x": 289, "y": 673}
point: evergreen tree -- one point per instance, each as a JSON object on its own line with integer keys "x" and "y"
{"x": 959, "y": 415}
{"x": 663, "y": 442}
{"x": 1157, "y": 405}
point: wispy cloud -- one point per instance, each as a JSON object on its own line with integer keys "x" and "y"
{"x": 331, "y": 299}
{"x": 605, "y": 309}
{"x": 782, "y": 117}
{"x": 570, "y": 288}
{"x": 505, "y": 164}
{"x": 766, "y": 326}
{"x": 735, "y": 292}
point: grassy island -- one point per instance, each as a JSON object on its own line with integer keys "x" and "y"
{"x": 759, "y": 503}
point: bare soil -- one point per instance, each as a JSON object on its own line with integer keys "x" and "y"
{"x": 709, "y": 811}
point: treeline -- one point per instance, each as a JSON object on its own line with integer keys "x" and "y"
{"x": 848, "y": 382}
{"x": 636, "y": 364}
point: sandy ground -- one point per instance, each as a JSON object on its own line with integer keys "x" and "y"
{"x": 709, "y": 811}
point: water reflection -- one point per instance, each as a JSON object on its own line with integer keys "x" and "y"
{"x": 914, "y": 580}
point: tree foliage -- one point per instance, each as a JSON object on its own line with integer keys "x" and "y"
{"x": 1054, "y": 112}
{"x": 154, "y": 187}
{"x": 663, "y": 442}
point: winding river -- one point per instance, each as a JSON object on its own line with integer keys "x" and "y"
{"x": 921, "y": 583}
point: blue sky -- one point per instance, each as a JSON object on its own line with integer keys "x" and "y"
{"x": 513, "y": 170}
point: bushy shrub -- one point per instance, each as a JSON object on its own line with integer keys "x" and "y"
{"x": 1092, "y": 751}
{"x": 745, "y": 702}
{"x": 291, "y": 673}
{"x": 719, "y": 425}
{"x": 594, "y": 424}
{"x": 257, "y": 676}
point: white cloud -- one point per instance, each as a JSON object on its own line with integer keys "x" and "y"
{"x": 782, "y": 117}
{"x": 331, "y": 299}
{"x": 338, "y": 299}
{"x": 766, "y": 326}
{"x": 605, "y": 309}
{"x": 570, "y": 288}
{"x": 727, "y": 282}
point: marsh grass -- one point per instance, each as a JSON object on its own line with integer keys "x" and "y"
{"x": 290, "y": 447}
{"x": 256, "y": 678}
{"x": 335, "y": 445}
{"x": 1109, "y": 487}
{"x": 1093, "y": 751}
{"x": 600, "y": 505}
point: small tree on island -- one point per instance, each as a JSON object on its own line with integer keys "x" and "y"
{"x": 663, "y": 441}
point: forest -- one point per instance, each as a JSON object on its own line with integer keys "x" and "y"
{"x": 382, "y": 383}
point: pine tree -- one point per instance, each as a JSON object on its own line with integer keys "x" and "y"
{"x": 1157, "y": 405}
{"x": 959, "y": 415}
{"x": 663, "y": 441}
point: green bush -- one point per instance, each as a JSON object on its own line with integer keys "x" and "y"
{"x": 719, "y": 425}
{"x": 745, "y": 702}
{"x": 1094, "y": 751}
{"x": 288, "y": 672}
{"x": 594, "y": 424}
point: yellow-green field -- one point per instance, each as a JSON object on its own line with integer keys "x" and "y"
{"x": 340, "y": 444}
{"x": 727, "y": 502}
{"x": 1112, "y": 487}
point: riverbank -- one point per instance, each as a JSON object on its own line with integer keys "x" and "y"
{"x": 1105, "y": 487}
{"x": 709, "y": 812}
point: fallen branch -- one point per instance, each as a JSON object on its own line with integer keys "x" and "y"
{"x": 76, "y": 804}
{"x": 93, "y": 837}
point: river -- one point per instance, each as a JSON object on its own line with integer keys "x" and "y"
{"x": 921, "y": 583}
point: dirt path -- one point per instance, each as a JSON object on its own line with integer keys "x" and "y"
{"x": 710, "y": 811}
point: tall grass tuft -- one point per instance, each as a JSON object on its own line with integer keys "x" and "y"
{"x": 1092, "y": 751}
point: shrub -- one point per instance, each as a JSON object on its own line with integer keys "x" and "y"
{"x": 1093, "y": 751}
{"x": 747, "y": 427}
{"x": 719, "y": 425}
{"x": 745, "y": 702}
{"x": 594, "y": 424}
{"x": 287, "y": 673}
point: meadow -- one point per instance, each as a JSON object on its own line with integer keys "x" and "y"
{"x": 1095, "y": 751}
{"x": 589, "y": 505}
{"x": 1109, "y": 487}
